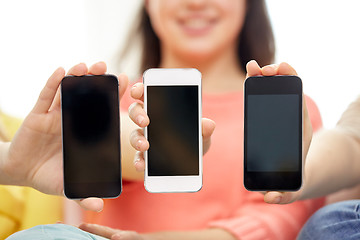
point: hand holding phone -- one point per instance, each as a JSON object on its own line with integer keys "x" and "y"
{"x": 273, "y": 133}
{"x": 253, "y": 69}
{"x": 141, "y": 119}
{"x": 172, "y": 100}
{"x": 39, "y": 140}
{"x": 91, "y": 136}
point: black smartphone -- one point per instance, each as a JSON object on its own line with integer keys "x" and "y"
{"x": 91, "y": 136}
{"x": 273, "y": 133}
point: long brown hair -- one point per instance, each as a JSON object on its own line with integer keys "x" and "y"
{"x": 256, "y": 40}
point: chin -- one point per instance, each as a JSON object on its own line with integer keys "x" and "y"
{"x": 197, "y": 53}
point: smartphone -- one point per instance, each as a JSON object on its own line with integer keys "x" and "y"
{"x": 172, "y": 100}
{"x": 273, "y": 133}
{"x": 91, "y": 136}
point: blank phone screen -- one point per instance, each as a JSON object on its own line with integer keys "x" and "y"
{"x": 173, "y": 132}
{"x": 91, "y": 136}
{"x": 273, "y": 133}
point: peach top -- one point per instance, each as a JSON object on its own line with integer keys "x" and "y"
{"x": 223, "y": 202}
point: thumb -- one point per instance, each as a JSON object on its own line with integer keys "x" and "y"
{"x": 280, "y": 197}
{"x": 126, "y": 235}
{"x": 208, "y": 127}
{"x": 91, "y": 204}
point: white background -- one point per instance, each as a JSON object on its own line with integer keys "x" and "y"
{"x": 319, "y": 38}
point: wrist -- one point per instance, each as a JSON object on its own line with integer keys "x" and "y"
{"x": 5, "y": 173}
{"x": 349, "y": 123}
{"x": 10, "y": 173}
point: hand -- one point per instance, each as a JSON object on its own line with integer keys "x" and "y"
{"x": 253, "y": 69}
{"x": 140, "y": 118}
{"x": 116, "y": 234}
{"x": 110, "y": 233}
{"x": 34, "y": 157}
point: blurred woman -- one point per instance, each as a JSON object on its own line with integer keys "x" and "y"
{"x": 218, "y": 37}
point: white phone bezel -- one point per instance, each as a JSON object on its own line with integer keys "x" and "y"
{"x": 173, "y": 77}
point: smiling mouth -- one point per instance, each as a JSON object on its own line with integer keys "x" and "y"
{"x": 197, "y": 26}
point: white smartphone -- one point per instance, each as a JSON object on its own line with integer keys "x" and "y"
{"x": 172, "y": 100}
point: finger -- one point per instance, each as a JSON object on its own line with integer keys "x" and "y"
{"x": 98, "y": 68}
{"x": 280, "y": 197}
{"x": 270, "y": 70}
{"x": 91, "y": 204}
{"x": 253, "y": 69}
{"x": 285, "y": 69}
{"x": 78, "y": 70}
{"x": 137, "y": 91}
{"x": 273, "y": 197}
{"x": 138, "y": 141}
{"x": 138, "y": 115}
{"x": 308, "y": 130}
{"x": 123, "y": 84}
{"x": 126, "y": 235}
{"x": 208, "y": 127}
{"x": 103, "y": 231}
{"x": 56, "y": 103}
{"x": 48, "y": 93}
{"x": 139, "y": 161}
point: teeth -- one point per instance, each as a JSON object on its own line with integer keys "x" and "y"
{"x": 196, "y": 23}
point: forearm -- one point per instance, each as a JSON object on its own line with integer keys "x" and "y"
{"x": 332, "y": 163}
{"x": 4, "y": 177}
{"x": 208, "y": 234}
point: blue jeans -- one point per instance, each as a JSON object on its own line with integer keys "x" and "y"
{"x": 336, "y": 221}
{"x": 54, "y": 232}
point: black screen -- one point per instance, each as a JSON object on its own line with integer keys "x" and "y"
{"x": 173, "y": 132}
{"x": 91, "y": 135}
{"x": 273, "y": 133}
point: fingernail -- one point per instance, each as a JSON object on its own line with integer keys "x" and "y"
{"x": 272, "y": 65}
{"x": 138, "y": 144}
{"x": 140, "y": 119}
{"x": 136, "y": 160}
{"x": 277, "y": 200}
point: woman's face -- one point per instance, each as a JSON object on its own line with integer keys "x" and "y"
{"x": 197, "y": 28}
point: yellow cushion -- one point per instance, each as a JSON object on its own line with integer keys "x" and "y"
{"x": 40, "y": 208}
{"x": 8, "y": 226}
